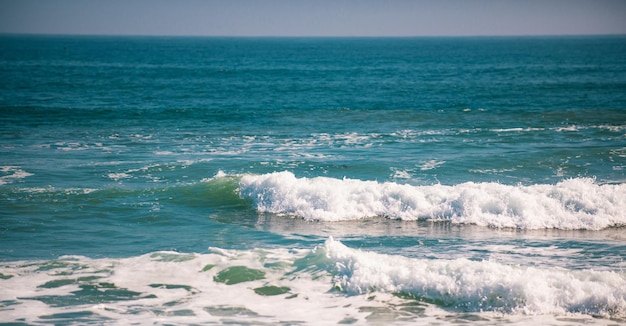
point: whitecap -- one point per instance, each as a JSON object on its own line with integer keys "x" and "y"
{"x": 477, "y": 286}
{"x": 430, "y": 165}
{"x": 118, "y": 176}
{"x": 578, "y": 203}
{"x": 12, "y": 173}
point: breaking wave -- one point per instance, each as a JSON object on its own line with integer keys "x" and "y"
{"x": 480, "y": 285}
{"x": 578, "y": 203}
{"x": 320, "y": 285}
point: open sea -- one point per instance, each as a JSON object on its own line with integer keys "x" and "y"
{"x": 312, "y": 181}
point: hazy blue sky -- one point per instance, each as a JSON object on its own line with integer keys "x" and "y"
{"x": 314, "y": 18}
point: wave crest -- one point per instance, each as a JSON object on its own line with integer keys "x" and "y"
{"x": 479, "y": 285}
{"x": 578, "y": 203}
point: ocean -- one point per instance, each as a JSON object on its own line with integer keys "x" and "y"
{"x": 312, "y": 181}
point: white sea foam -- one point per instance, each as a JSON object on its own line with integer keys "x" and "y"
{"x": 491, "y": 170}
{"x": 621, "y": 152}
{"x": 579, "y": 203}
{"x": 51, "y": 189}
{"x": 518, "y": 129}
{"x": 170, "y": 287}
{"x": 220, "y": 174}
{"x": 568, "y": 128}
{"x": 481, "y": 285}
{"x": 10, "y": 173}
{"x": 118, "y": 176}
{"x": 619, "y": 128}
{"x": 612, "y": 128}
{"x": 401, "y": 174}
{"x": 330, "y": 284}
{"x": 408, "y": 134}
{"x": 432, "y": 164}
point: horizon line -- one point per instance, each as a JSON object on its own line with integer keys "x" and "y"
{"x": 309, "y": 36}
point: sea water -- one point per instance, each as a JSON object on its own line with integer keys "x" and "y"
{"x": 153, "y": 180}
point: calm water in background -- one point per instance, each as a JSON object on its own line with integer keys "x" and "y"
{"x": 287, "y": 180}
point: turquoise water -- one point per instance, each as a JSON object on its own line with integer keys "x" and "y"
{"x": 277, "y": 180}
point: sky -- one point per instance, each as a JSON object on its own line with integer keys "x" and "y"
{"x": 313, "y": 17}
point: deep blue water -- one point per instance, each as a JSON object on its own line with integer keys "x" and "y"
{"x": 489, "y": 160}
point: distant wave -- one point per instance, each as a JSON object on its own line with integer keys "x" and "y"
{"x": 578, "y": 203}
